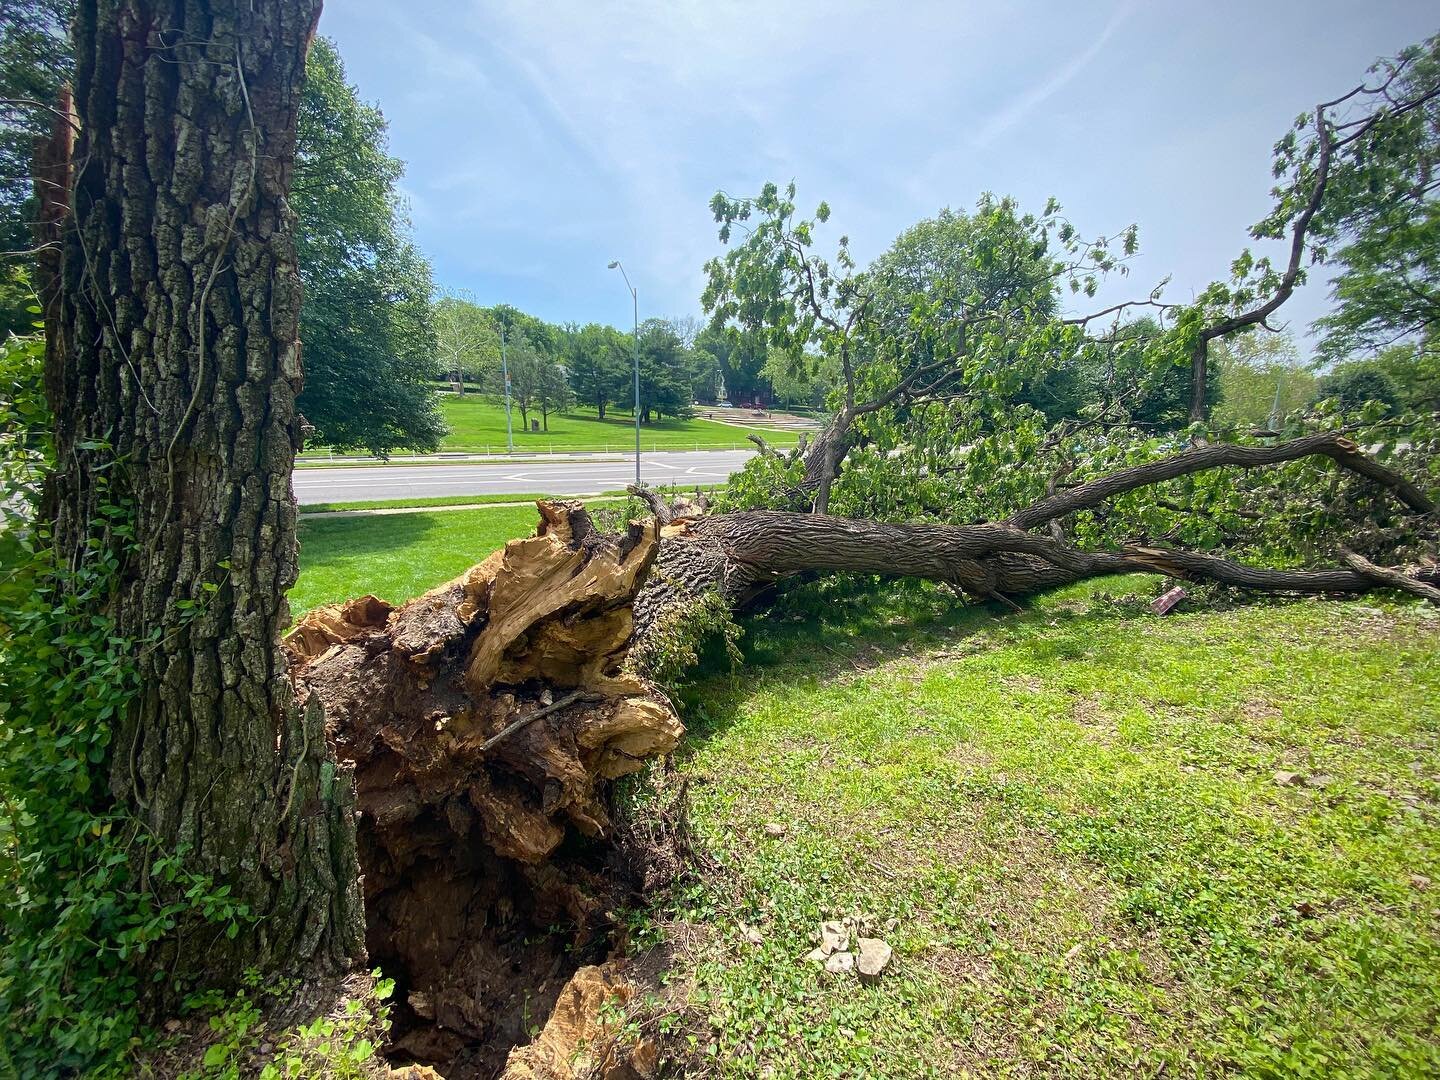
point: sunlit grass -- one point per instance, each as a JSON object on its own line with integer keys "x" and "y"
{"x": 1074, "y": 818}
{"x": 478, "y": 425}
{"x": 397, "y": 556}
{"x": 1071, "y": 814}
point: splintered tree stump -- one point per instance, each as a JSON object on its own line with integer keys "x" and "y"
{"x": 465, "y": 808}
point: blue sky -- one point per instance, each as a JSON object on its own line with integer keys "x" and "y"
{"x": 545, "y": 138}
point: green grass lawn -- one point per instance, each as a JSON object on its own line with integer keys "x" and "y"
{"x": 397, "y": 556}
{"x": 421, "y": 501}
{"x": 478, "y": 424}
{"x": 1073, "y": 817}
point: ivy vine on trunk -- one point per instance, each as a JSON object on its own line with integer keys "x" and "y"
{"x": 173, "y": 367}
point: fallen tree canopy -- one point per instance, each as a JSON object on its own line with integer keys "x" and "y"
{"x": 483, "y": 721}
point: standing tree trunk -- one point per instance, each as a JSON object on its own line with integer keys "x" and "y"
{"x": 174, "y": 369}
{"x": 822, "y": 459}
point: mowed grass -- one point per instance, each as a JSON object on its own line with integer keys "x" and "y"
{"x": 420, "y": 502}
{"x": 397, "y": 556}
{"x": 478, "y": 425}
{"x": 1073, "y": 817}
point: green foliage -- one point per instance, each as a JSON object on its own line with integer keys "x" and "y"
{"x": 1415, "y": 371}
{"x": 1260, "y": 380}
{"x": 1380, "y": 223}
{"x": 341, "y": 1045}
{"x": 950, "y": 338}
{"x": 671, "y": 650}
{"x": 366, "y": 322}
{"x": 34, "y": 60}
{"x": 1353, "y": 386}
{"x": 742, "y": 359}
{"x": 74, "y": 911}
{"x": 797, "y": 385}
{"x": 25, "y": 447}
{"x": 524, "y": 366}
{"x": 664, "y": 382}
{"x": 19, "y": 306}
{"x": 467, "y": 340}
{"x": 597, "y": 359}
{"x": 767, "y": 482}
{"x": 965, "y": 396}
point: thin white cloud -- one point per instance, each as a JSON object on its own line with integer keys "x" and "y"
{"x": 1021, "y": 107}
{"x": 545, "y": 139}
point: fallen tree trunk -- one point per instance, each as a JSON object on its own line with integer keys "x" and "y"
{"x": 485, "y": 719}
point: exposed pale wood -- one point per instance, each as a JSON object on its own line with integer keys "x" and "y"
{"x": 464, "y": 808}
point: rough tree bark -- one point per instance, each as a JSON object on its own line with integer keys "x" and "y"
{"x": 485, "y": 719}
{"x": 173, "y": 368}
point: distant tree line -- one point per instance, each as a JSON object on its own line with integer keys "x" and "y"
{"x": 554, "y": 367}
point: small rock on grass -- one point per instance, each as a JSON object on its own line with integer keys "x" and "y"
{"x": 1319, "y": 780}
{"x": 1419, "y": 881}
{"x": 752, "y": 935}
{"x": 840, "y": 962}
{"x": 834, "y": 937}
{"x": 775, "y": 829}
{"x": 1289, "y": 779}
{"x": 874, "y": 958}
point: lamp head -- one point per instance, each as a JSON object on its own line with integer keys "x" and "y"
{"x": 614, "y": 265}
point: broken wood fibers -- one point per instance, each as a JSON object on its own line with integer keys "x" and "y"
{"x": 461, "y": 832}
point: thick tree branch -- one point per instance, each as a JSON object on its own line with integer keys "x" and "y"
{"x": 1200, "y": 354}
{"x": 652, "y": 499}
{"x": 1342, "y": 451}
{"x": 734, "y": 552}
{"x": 1387, "y": 576}
{"x": 765, "y": 448}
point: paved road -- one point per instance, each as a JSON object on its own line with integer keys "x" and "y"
{"x": 501, "y": 478}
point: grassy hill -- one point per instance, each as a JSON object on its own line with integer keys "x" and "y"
{"x": 478, "y": 425}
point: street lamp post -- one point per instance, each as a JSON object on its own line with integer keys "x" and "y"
{"x": 505, "y": 374}
{"x": 635, "y": 300}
